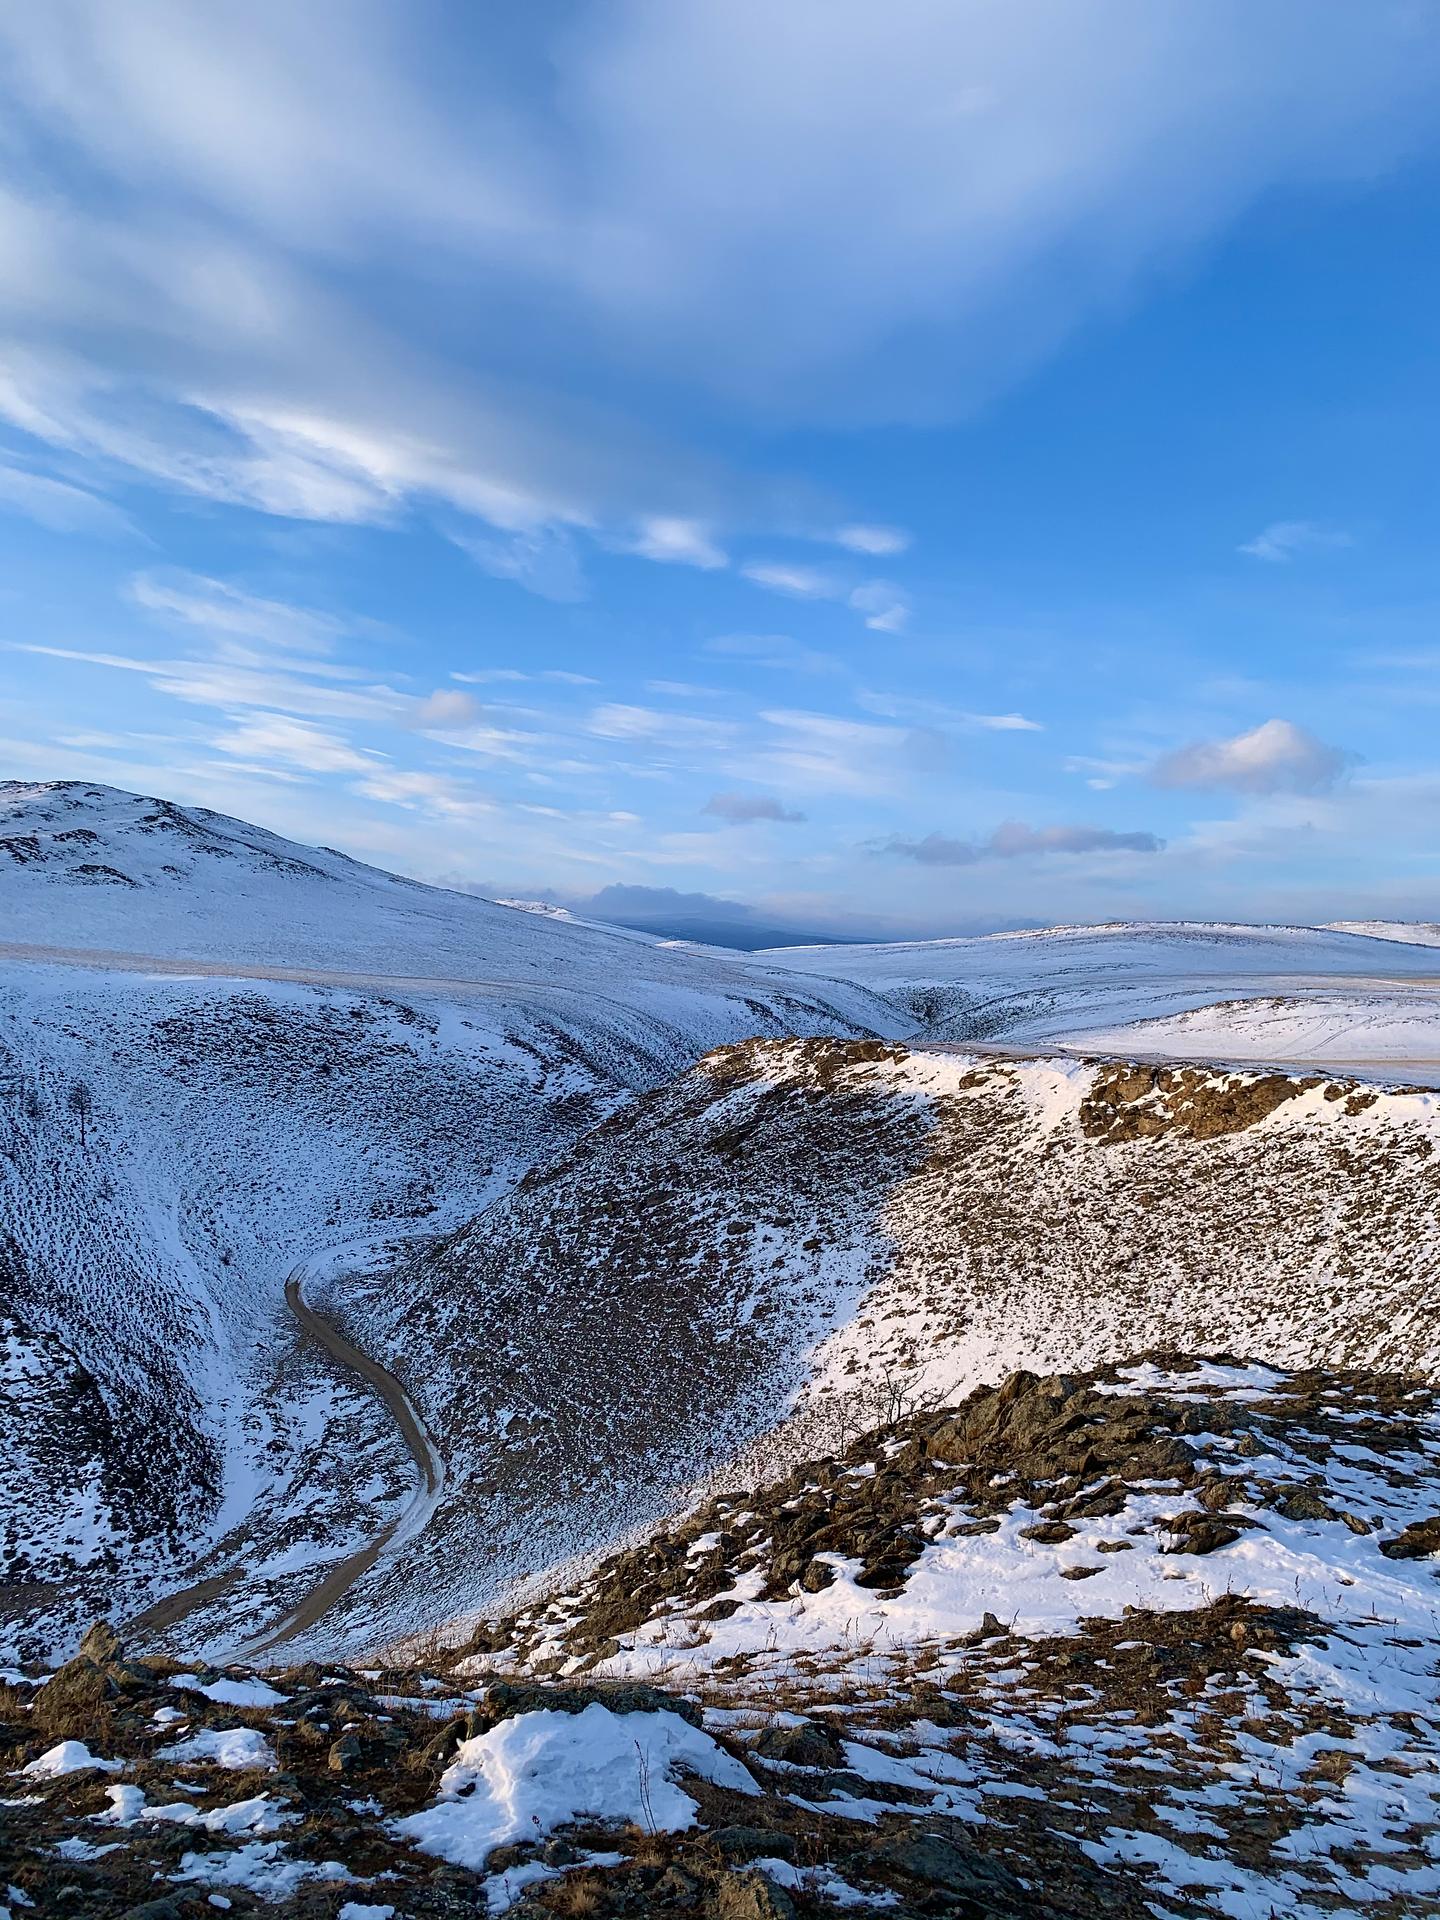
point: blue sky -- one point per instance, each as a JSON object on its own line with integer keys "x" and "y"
{"x": 897, "y": 470}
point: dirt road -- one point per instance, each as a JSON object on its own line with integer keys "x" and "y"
{"x": 342, "y": 1576}
{"x": 339, "y": 1578}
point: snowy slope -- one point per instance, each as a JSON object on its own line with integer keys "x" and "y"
{"x": 92, "y": 868}
{"x": 1396, "y": 1033}
{"x": 318, "y": 1056}
{"x": 800, "y": 1239}
{"x": 320, "y": 1061}
{"x": 1068, "y": 984}
{"x": 1416, "y": 933}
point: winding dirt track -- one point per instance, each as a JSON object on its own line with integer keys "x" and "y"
{"x": 343, "y": 1575}
{"x": 338, "y": 1580}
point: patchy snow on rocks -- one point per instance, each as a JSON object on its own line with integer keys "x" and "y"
{"x": 238, "y": 1749}
{"x": 1191, "y": 1605}
{"x": 68, "y": 1756}
{"x": 542, "y": 1770}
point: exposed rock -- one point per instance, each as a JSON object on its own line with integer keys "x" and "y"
{"x": 505, "y": 1699}
{"x": 345, "y": 1753}
{"x": 1416, "y": 1542}
{"x": 753, "y": 1843}
{"x": 1142, "y": 1103}
{"x": 808, "y": 1745}
{"x": 937, "y": 1862}
{"x": 100, "y": 1643}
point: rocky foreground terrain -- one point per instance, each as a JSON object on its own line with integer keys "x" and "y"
{"x": 1159, "y": 1639}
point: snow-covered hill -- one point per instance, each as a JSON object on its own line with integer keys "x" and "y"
{"x": 798, "y": 1240}
{"x": 93, "y": 868}
{"x": 1416, "y": 933}
{"x": 279, "y": 1053}
{"x": 1091, "y": 987}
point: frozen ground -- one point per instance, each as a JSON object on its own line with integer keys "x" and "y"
{"x": 799, "y": 1239}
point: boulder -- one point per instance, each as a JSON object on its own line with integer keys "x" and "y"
{"x": 753, "y": 1843}
{"x": 101, "y": 1643}
{"x": 808, "y": 1745}
{"x": 1417, "y": 1542}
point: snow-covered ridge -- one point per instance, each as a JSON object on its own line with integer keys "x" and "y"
{"x": 1362, "y": 997}
{"x": 280, "y": 1052}
{"x": 1417, "y": 933}
{"x": 136, "y": 879}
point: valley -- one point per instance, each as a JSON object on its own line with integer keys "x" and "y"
{"x": 489, "y": 1299}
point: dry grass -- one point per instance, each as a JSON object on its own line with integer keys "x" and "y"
{"x": 577, "y": 1895}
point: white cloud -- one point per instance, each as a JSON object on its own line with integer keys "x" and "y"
{"x": 1283, "y": 539}
{"x": 484, "y": 676}
{"x": 686, "y": 542}
{"x": 801, "y": 583}
{"x": 877, "y": 541}
{"x": 1276, "y": 757}
{"x": 274, "y": 736}
{"x": 219, "y": 608}
{"x": 884, "y": 605}
{"x": 934, "y": 713}
{"x": 618, "y": 722}
{"x": 823, "y": 753}
{"x": 446, "y": 708}
{"x": 543, "y": 562}
{"x": 227, "y": 684}
{"x": 426, "y": 793}
{"x": 775, "y": 650}
{"x": 61, "y": 508}
{"x": 978, "y": 181}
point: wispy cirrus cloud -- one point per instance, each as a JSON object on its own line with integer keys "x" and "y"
{"x": 884, "y": 606}
{"x": 219, "y": 608}
{"x": 686, "y": 543}
{"x": 897, "y": 706}
{"x": 1282, "y": 540}
{"x": 880, "y": 542}
{"x": 617, "y": 721}
{"x": 777, "y": 651}
{"x": 274, "y": 736}
{"x": 60, "y": 507}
